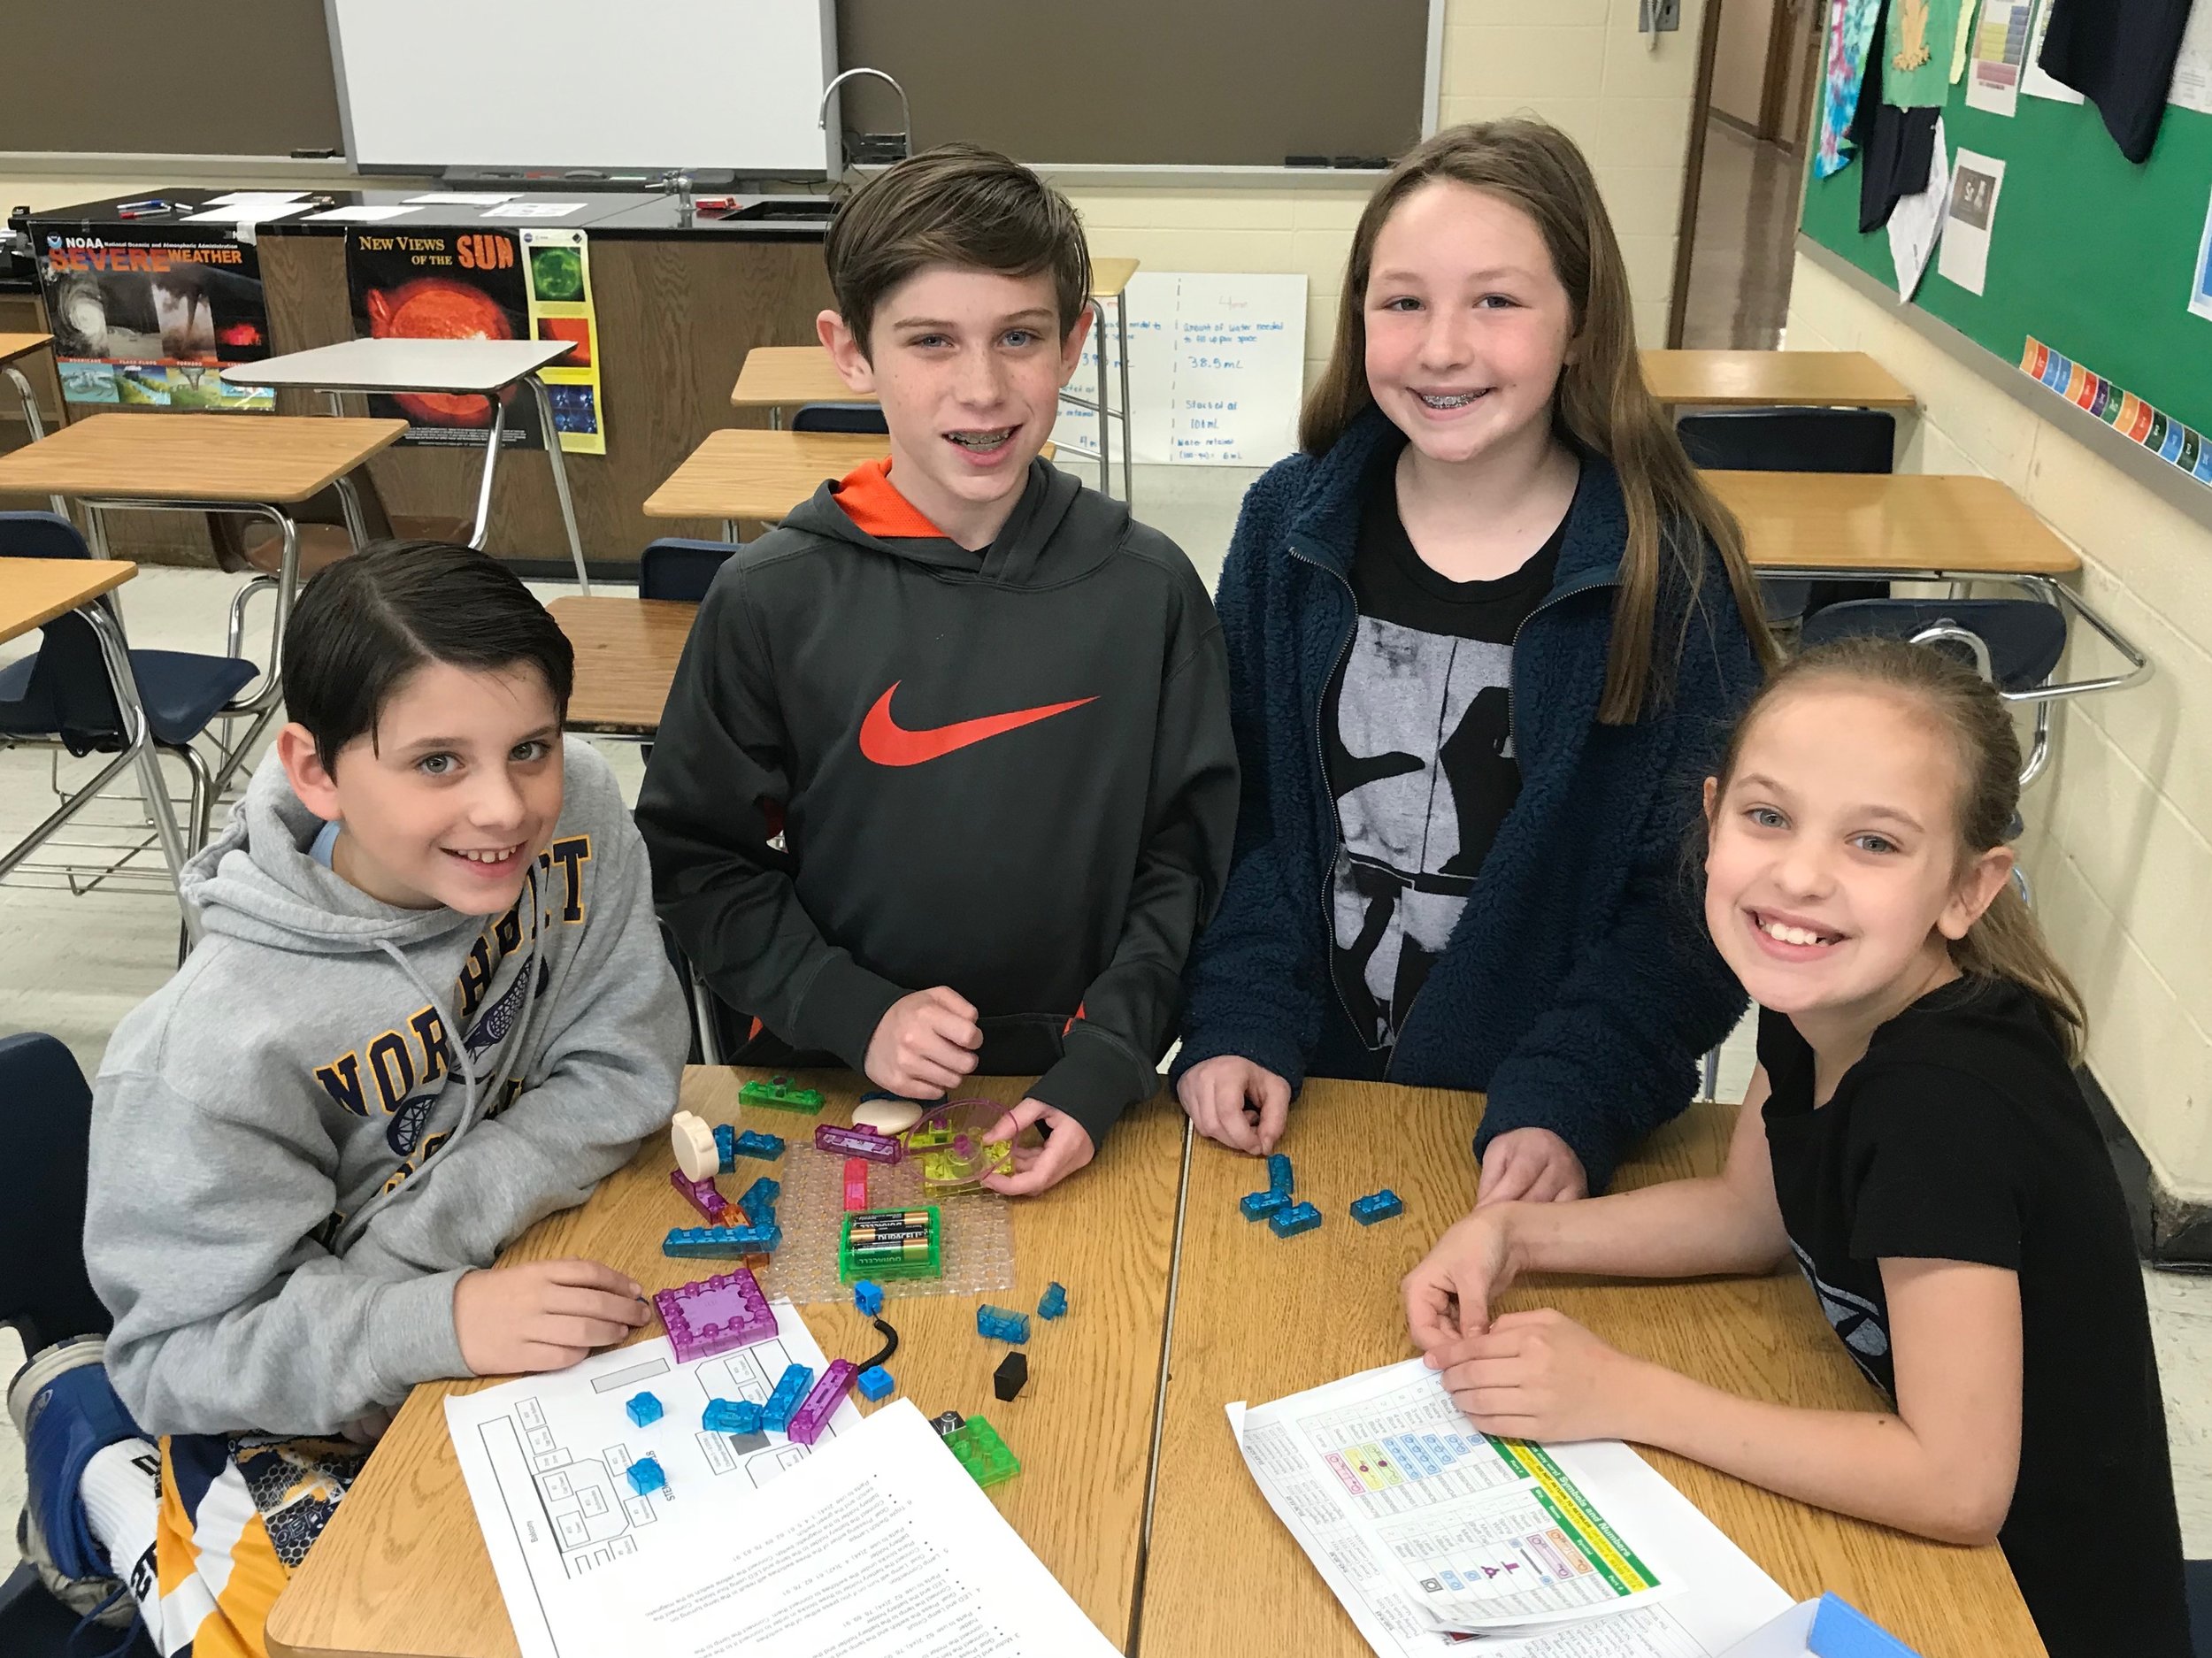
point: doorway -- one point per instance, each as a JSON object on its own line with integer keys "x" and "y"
{"x": 1751, "y": 121}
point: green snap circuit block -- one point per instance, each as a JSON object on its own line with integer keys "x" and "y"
{"x": 880, "y": 1244}
{"x": 982, "y": 1453}
{"x": 783, "y": 1094}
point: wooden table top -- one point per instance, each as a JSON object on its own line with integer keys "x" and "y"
{"x": 282, "y": 458}
{"x": 741, "y": 474}
{"x": 1904, "y": 523}
{"x": 780, "y": 376}
{"x": 15, "y": 345}
{"x": 34, "y": 591}
{"x": 1835, "y": 379}
{"x": 746, "y": 473}
{"x": 402, "y": 1569}
{"x": 1108, "y": 276}
{"x": 1256, "y": 1318}
{"x": 627, "y": 651}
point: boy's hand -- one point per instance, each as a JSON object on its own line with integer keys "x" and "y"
{"x": 542, "y": 1316}
{"x": 1530, "y": 1165}
{"x": 925, "y": 1044}
{"x": 1067, "y": 1147}
{"x": 1449, "y": 1294}
{"x": 1541, "y": 1376}
{"x": 1242, "y": 1105}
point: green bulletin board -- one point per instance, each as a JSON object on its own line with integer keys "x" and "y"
{"x": 2090, "y": 254}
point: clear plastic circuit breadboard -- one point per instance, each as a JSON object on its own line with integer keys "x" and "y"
{"x": 978, "y": 1238}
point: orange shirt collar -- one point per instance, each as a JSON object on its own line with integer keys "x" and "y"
{"x": 873, "y": 502}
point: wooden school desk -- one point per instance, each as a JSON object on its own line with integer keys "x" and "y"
{"x": 12, "y": 348}
{"x": 255, "y": 464}
{"x": 402, "y": 1571}
{"x": 1756, "y": 380}
{"x": 744, "y": 472}
{"x": 1257, "y": 1318}
{"x": 487, "y": 368}
{"x": 627, "y": 651}
{"x": 33, "y": 592}
{"x": 747, "y": 474}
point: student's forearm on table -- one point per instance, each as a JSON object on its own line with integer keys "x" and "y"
{"x": 1678, "y": 1229}
{"x": 1869, "y": 1464}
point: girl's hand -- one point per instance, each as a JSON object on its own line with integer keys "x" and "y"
{"x": 1541, "y": 1376}
{"x": 1242, "y": 1105}
{"x": 1529, "y": 1165}
{"x": 1449, "y": 1294}
{"x": 1067, "y": 1147}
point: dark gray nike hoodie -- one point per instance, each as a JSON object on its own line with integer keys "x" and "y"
{"x": 889, "y": 763}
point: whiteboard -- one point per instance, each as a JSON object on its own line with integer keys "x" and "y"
{"x": 427, "y": 84}
{"x": 1217, "y": 370}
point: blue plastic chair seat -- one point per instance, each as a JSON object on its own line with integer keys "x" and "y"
{"x": 674, "y": 568}
{"x": 865, "y": 418}
{"x": 181, "y": 691}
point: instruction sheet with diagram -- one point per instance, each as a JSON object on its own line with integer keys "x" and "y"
{"x": 546, "y": 1460}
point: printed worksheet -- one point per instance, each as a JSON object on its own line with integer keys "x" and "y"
{"x": 1422, "y": 1527}
{"x": 546, "y": 1459}
{"x": 881, "y": 1546}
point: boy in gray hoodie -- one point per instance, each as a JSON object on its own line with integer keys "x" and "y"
{"x": 431, "y": 1007}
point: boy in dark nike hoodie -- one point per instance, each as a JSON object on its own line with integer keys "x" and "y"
{"x": 945, "y": 781}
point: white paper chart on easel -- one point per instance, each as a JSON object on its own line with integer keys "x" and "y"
{"x": 1217, "y": 367}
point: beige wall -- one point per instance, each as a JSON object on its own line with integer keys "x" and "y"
{"x": 1583, "y": 67}
{"x": 2120, "y": 827}
{"x": 1740, "y": 58}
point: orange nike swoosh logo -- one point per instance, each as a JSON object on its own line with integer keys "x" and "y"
{"x": 887, "y": 742}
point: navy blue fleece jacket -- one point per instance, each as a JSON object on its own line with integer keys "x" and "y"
{"x": 1578, "y": 988}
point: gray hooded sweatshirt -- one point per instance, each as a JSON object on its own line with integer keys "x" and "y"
{"x": 294, "y": 1159}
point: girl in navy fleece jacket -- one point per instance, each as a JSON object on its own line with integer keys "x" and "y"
{"x": 1486, "y": 636}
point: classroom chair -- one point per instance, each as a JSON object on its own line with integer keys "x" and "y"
{"x": 2015, "y": 644}
{"x": 1795, "y": 441}
{"x": 865, "y": 418}
{"x": 672, "y": 568}
{"x": 46, "y": 1114}
{"x": 61, "y": 697}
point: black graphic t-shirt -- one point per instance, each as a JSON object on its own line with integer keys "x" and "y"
{"x": 1420, "y": 753}
{"x": 1962, "y": 1135}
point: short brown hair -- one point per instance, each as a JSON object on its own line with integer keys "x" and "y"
{"x": 1602, "y": 401}
{"x": 961, "y": 205}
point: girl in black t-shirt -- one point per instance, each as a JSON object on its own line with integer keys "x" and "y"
{"x": 1915, "y": 1139}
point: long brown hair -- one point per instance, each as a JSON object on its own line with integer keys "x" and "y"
{"x": 1602, "y": 401}
{"x": 2005, "y": 942}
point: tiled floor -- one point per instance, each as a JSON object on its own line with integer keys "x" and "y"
{"x": 1741, "y": 256}
{"x": 74, "y": 965}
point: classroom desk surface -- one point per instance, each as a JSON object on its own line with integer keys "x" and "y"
{"x": 282, "y": 458}
{"x": 1901, "y": 524}
{"x": 737, "y": 473}
{"x": 34, "y": 591}
{"x": 397, "y": 365}
{"x": 1108, "y": 276}
{"x": 779, "y": 376}
{"x": 402, "y": 1571}
{"x": 1837, "y": 380}
{"x": 15, "y": 345}
{"x": 627, "y": 651}
{"x": 1256, "y": 1318}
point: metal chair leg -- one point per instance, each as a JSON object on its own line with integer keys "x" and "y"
{"x": 1711, "y": 1088}
{"x": 703, "y": 1010}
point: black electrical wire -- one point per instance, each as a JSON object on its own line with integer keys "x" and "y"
{"x": 890, "y": 1345}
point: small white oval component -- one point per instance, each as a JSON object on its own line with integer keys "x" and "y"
{"x": 886, "y": 1117}
{"x": 693, "y": 1142}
